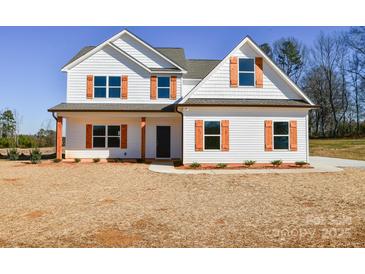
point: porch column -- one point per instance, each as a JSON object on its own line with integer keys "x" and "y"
{"x": 59, "y": 138}
{"x": 143, "y": 138}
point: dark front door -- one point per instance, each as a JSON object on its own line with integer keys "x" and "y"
{"x": 163, "y": 142}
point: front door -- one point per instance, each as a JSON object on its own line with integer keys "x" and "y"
{"x": 163, "y": 141}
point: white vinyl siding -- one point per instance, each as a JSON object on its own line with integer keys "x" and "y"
{"x": 218, "y": 85}
{"x": 141, "y": 53}
{"x": 109, "y": 62}
{"x": 76, "y": 134}
{"x": 246, "y": 135}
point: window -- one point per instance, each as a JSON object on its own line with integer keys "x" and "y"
{"x": 163, "y": 87}
{"x": 102, "y": 84}
{"x": 106, "y": 136}
{"x": 113, "y": 136}
{"x": 114, "y": 87}
{"x": 281, "y": 135}
{"x": 246, "y": 72}
{"x": 98, "y": 136}
{"x": 212, "y": 135}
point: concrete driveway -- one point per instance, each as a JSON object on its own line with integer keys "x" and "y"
{"x": 336, "y": 162}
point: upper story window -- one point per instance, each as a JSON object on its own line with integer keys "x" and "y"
{"x": 106, "y": 136}
{"x": 212, "y": 135}
{"x": 281, "y": 135}
{"x": 107, "y": 86}
{"x": 246, "y": 72}
{"x": 163, "y": 87}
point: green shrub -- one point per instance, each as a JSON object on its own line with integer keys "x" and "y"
{"x": 221, "y": 165}
{"x": 300, "y": 163}
{"x": 276, "y": 163}
{"x": 35, "y": 156}
{"x": 13, "y": 154}
{"x": 195, "y": 165}
{"x": 96, "y": 160}
{"x": 77, "y": 160}
{"x": 178, "y": 163}
{"x": 56, "y": 160}
{"x": 250, "y": 163}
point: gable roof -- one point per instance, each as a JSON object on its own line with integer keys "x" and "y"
{"x": 86, "y": 53}
{"x": 268, "y": 60}
{"x": 196, "y": 68}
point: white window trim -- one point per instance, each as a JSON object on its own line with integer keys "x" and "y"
{"x": 107, "y": 87}
{"x": 168, "y": 98}
{"x": 220, "y": 135}
{"x": 106, "y": 136}
{"x": 246, "y": 71}
{"x": 273, "y": 136}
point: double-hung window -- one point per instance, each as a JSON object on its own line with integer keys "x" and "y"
{"x": 163, "y": 87}
{"x": 107, "y": 86}
{"x": 212, "y": 135}
{"x": 106, "y": 136}
{"x": 281, "y": 135}
{"x": 246, "y": 72}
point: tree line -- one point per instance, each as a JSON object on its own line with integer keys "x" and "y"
{"x": 10, "y": 137}
{"x": 332, "y": 74}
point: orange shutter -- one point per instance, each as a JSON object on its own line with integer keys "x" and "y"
{"x": 198, "y": 135}
{"x": 124, "y": 87}
{"x": 153, "y": 87}
{"x": 173, "y": 87}
{"x": 293, "y": 136}
{"x": 89, "y": 136}
{"x": 259, "y": 72}
{"x": 89, "y": 86}
{"x": 268, "y": 135}
{"x": 233, "y": 72}
{"x": 225, "y": 135}
{"x": 123, "y": 136}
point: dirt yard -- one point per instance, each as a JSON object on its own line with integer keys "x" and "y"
{"x": 126, "y": 205}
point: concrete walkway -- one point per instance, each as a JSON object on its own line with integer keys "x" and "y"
{"x": 319, "y": 164}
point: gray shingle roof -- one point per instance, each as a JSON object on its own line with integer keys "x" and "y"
{"x": 246, "y": 102}
{"x": 122, "y": 107}
{"x": 82, "y": 52}
{"x": 177, "y": 55}
{"x": 198, "y": 69}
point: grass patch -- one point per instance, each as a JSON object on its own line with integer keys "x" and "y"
{"x": 338, "y": 148}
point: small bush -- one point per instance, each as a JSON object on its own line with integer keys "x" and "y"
{"x": 250, "y": 163}
{"x": 35, "y": 156}
{"x": 57, "y": 160}
{"x": 221, "y": 165}
{"x": 276, "y": 163}
{"x": 195, "y": 165}
{"x": 300, "y": 163}
{"x": 13, "y": 154}
{"x": 96, "y": 160}
{"x": 178, "y": 163}
{"x": 77, "y": 160}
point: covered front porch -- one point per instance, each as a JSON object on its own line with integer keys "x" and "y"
{"x": 121, "y": 135}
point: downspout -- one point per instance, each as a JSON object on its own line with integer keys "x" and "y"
{"x": 182, "y": 132}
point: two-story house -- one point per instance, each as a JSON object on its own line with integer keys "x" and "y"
{"x": 128, "y": 99}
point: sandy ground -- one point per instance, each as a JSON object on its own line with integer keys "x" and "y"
{"x": 126, "y": 205}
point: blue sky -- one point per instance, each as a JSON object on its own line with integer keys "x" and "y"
{"x": 31, "y": 57}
